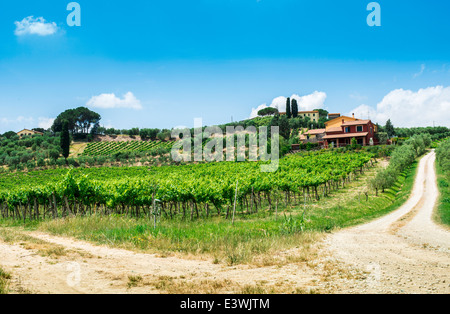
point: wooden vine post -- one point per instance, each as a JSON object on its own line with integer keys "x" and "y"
{"x": 235, "y": 198}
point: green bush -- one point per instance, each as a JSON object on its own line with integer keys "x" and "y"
{"x": 443, "y": 156}
{"x": 60, "y": 162}
{"x": 401, "y": 158}
{"x": 72, "y": 162}
{"x": 41, "y": 162}
{"x": 31, "y": 164}
{"x": 53, "y": 154}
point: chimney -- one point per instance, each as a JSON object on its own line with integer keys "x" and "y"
{"x": 353, "y": 115}
{"x": 343, "y": 121}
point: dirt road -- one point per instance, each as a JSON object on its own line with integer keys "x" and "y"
{"x": 403, "y": 252}
{"x": 87, "y": 268}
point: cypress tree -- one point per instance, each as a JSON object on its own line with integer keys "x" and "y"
{"x": 389, "y": 128}
{"x": 294, "y": 108}
{"x": 288, "y": 108}
{"x": 65, "y": 139}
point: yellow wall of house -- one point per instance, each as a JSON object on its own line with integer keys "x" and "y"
{"x": 27, "y": 132}
{"x": 314, "y": 116}
{"x": 337, "y": 122}
{"x": 24, "y": 132}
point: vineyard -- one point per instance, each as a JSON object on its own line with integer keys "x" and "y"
{"x": 187, "y": 191}
{"x": 109, "y": 148}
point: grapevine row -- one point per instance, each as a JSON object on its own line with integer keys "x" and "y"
{"x": 109, "y": 148}
{"x": 190, "y": 190}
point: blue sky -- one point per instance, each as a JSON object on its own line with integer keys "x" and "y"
{"x": 219, "y": 59}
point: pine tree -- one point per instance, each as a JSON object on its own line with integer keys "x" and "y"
{"x": 65, "y": 139}
{"x": 389, "y": 128}
{"x": 288, "y": 108}
{"x": 294, "y": 108}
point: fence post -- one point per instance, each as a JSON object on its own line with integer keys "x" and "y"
{"x": 235, "y": 197}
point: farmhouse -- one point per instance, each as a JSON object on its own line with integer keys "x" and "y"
{"x": 313, "y": 136}
{"x": 28, "y": 132}
{"x": 312, "y": 115}
{"x": 340, "y": 131}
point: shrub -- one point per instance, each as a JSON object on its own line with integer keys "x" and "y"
{"x": 40, "y": 162}
{"x": 31, "y": 164}
{"x": 443, "y": 155}
{"x": 25, "y": 158}
{"x": 72, "y": 162}
{"x": 60, "y": 162}
{"x": 53, "y": 154}
{"x": 401, "y": 158}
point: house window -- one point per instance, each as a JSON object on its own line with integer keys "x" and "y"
{"x": 347, "y": 129}
{"x": 359, "y": 128}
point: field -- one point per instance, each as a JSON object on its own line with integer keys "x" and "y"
{"x": 194, "y": 208}
{"x": 110, "y": 148}
{"x": 194, "y": 189}
{"x": 192, "y": 213}
{"x": 186, "y": 220}
{"x": 230, "y": 211}
{"x": 44, "y": 152}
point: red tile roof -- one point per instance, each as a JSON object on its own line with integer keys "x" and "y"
{"x": 346, "y": 135}
{"x": 334, "y": 129}
{"x": 317, "y": 131}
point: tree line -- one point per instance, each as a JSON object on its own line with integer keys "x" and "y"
{"x": 401, "y": 158}
{"x": 443, "y": 157}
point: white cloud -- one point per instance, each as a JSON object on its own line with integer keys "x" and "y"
{"x": 255, "y": 111}
{"x": 407, "y": 108}
{"x": 422, "y": 69}
{"x": 312, "y": 101}
{"x": 21, "y": 122}
{"x": 363, "y": 112}
{"x": 109, "y": 101}
{"x": 35, "y": 26}
{"x": 16, "y": 124}
{"x": 18, "y": 120}
{"x": 45, "y": 123}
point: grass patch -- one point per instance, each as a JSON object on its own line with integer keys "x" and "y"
{"x": 5, "y": 278}
{"x": 216, "y": 238}
{"x": 133, "y": 281}
{"x": 442, "y": 215}
{"x": 43, "y": 248}
{"x": 181, "y": 285}
{"x": 352, "y": 208}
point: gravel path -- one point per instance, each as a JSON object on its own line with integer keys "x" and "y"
{"x": 403, "y": 252}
